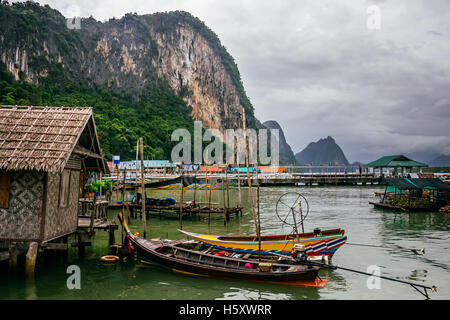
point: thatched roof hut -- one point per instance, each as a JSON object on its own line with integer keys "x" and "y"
{"x": 43, "y": 151}
{"x": 44, "y": 138}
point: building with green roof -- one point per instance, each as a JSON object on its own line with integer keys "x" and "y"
{"x": 427, "y": 194}
{"x": 397, "y": 162}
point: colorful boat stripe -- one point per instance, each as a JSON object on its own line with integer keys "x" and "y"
{"x": 322, "y": 248}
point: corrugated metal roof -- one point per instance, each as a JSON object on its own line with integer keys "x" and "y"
{"x": 417, "y": 183}
{"x": 395, "y": 161}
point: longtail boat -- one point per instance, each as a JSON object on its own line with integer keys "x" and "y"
{"x": 324, "y": 243}
{"x": 192, "y": 262}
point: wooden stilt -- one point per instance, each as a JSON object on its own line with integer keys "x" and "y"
{"x": 13, "y": 252}
{"x": 144, "y": 218}
{"x": 181, "y": 203}
{"x": 209, "y": 206}
{"x": 112, "y": 239}
{"x": 81, "y": 245}
{"x": 65, "y": 253}
{"x": 206, "y": 178}
{"x": 252, "y": 201}
{"x": 239, "y": 181}
{"x": 117, "y": 183}
{"x": 136, "y": 178}
{"x": 228, "y": 193}
{"x": 4, "y": 255}
{"x": 224, "y": 205}
{"x": 30, "y": 262}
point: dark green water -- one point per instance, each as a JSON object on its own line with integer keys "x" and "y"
{"x": 330, "y": 207}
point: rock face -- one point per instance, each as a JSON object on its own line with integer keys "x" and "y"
{"x": 322, "y": 152}
{"x": 286, "y": 155}
{"x": 130, "y": 55}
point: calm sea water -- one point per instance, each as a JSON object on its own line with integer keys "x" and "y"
{"x": 329, "y": 207}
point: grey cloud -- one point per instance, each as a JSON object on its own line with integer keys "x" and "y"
{"x": 315, "y": 67}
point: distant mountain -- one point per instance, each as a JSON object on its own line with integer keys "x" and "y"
{"x": 286, "y": 155}
{"x": 431, "y": 158}
{"x": 323, "y": 152}
{"x": 441, "y": 161}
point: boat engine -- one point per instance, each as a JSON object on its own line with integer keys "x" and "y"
{"x": 299, "y": 252}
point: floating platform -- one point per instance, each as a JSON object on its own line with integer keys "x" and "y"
{"x": 381, "y": 205}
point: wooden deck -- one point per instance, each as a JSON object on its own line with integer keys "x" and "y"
{"x": 188, "y": 210}
{"x": 85, "y": 222}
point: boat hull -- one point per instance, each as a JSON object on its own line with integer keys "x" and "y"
{"x": 300, "y": 274}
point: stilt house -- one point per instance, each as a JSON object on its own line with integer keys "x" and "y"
{"x": 44, "y": 154}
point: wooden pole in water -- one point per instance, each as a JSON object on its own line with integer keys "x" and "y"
{"x": 136, "y": 178}
{"x": 144, "y": 218}
{"x": 30, "y": 262}
{"x": 195, "y": 185}
{"x": 117, "y": 183}
{"x": 206, "y": 178}
{"x": 124, "y": 195}
{"x": 228, "y": 185}
{"x": 209, "y": 203}
{"x": 259, "y": 220}
{"x": 252, "y": 201}
{"x": 224, "y": 204}
{"x": 239, "y": 182}
{"x": 181, "y": 202}
{"x": 209, "y": 207}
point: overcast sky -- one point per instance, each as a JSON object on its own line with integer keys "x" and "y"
{"x": 319, "y": 70}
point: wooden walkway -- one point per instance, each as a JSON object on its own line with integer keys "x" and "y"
{"x": 188, "y": 210}
{"x": 85, "y": 222}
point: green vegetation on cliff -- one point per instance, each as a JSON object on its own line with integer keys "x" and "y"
{"x": 121, "y": 119}
{"x": 45, "y": 63}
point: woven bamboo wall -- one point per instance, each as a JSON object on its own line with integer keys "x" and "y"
{"x": 61, "y": 220}
{"x": 22, "y": 220}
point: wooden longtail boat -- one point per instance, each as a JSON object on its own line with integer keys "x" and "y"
{"x": 325, "y": 244}
{"x": 200, "y": 263}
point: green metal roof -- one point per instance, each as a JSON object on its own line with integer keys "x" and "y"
{"x": 395, "y": 161}
{"x": 417, "y": 183}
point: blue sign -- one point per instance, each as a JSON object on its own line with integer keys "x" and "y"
{"x": 116, "y": 159}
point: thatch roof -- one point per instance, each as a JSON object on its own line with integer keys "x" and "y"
{"x": 43, "y": 138}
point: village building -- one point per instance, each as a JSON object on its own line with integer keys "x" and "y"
{"x": 45, "y": 154}
{"x": 399, "y": 163}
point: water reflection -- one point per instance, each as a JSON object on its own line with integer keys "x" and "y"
{"x": 330, "y": 207}
{"x": 200, "y": 287}
{"x": 420, "y": 221}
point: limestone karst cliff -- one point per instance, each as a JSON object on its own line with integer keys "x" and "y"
{"x": 127, "y": 54}
{"x": 132, "y": 56}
